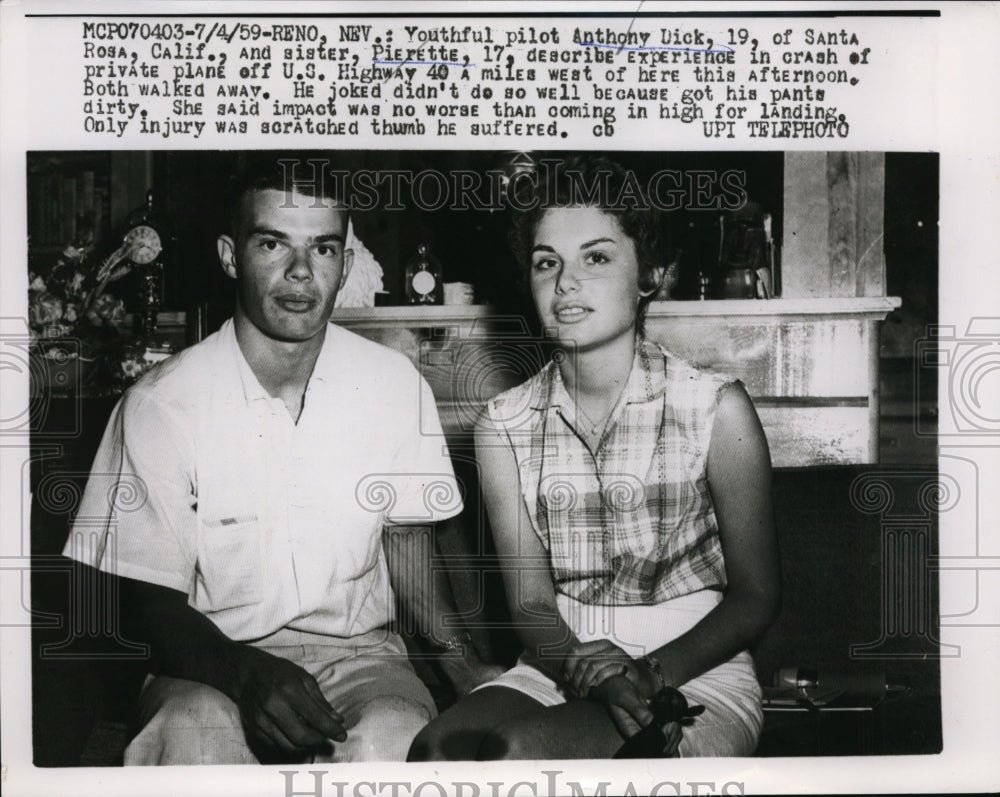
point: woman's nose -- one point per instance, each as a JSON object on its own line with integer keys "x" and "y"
{"x": 567, "y": 279}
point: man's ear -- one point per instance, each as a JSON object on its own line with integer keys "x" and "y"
{"x": 651, "y": 284}
{"x": 348, "y": 262}
{"x": 226, "y": 248}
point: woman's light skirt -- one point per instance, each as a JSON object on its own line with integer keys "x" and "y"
{"x": 730, "y": 693}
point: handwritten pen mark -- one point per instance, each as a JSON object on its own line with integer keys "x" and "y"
{"x": 725, "y": 51}
{"x": 631, "y": 22}
{"x": 381, "y": 62}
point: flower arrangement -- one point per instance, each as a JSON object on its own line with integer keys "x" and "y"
{"x": 71, "y": 313}
{"x": 69, "y": 299}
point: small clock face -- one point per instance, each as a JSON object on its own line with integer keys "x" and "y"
{"x": 144, "y": 244}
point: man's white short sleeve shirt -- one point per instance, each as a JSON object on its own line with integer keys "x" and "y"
{"x": 266, "y": 523}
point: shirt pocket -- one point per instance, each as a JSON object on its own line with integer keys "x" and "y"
{"x": 230, "y": 562}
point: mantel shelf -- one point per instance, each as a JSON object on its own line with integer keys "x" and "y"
{"x": 730, "y": 311}
{"x": 811, "y": 365}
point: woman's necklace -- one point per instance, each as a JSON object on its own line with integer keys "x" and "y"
{"x": 601, "y": 423}
{"x": 596, "y": 429}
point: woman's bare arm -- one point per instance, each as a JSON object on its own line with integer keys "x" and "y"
{"x": 525, "y": 564}
{"x": 739, "y": 479}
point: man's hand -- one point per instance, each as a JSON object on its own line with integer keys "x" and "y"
{"x": 284, "y": 713}
{"x": 589, "y": 664}
{"x": 285, "y": 716}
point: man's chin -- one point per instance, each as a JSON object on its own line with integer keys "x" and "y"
{"x": 302, "y": 332}
{"x": 297, "y": 335}
{"x": 288, "y": 327}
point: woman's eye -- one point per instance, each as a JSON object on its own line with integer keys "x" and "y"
{"x": 544, "y": 265}
{"x": 597, "y": 258}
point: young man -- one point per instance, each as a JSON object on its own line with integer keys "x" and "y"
{"x": 269, "y": 461}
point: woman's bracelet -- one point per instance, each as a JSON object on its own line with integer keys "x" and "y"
{"x": 460, "y": 642}
{"x": 657, "y": 670}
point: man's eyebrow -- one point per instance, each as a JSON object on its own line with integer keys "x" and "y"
{"x": 267, "y": 231}
{"x": 330, "y": 236}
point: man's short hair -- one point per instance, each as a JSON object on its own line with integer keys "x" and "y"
{"x": 311, "y": 176}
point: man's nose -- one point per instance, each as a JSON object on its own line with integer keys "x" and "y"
{"x": 299, "y": 268}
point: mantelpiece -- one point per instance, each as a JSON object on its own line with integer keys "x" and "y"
{"x": 811, "y": 365}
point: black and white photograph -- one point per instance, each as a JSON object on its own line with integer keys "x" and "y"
{"x": 461, "y": 285}
{"x": 370, "y": 426}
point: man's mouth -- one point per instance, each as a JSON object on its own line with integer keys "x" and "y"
{"x": 295, "y": 302}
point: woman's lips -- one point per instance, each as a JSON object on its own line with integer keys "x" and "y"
{"x": 571, "y": 314}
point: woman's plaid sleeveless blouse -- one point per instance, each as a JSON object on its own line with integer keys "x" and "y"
{"x": 632, "y": 523}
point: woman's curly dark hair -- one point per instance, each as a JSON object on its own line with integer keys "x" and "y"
{"x": 592, "y": 181}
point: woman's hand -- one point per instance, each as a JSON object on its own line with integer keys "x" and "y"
{"x": 589, "y": 664}
{"x": 627, "y": 707}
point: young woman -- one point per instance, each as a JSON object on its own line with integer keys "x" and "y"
{"x": 629, "y": 497}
